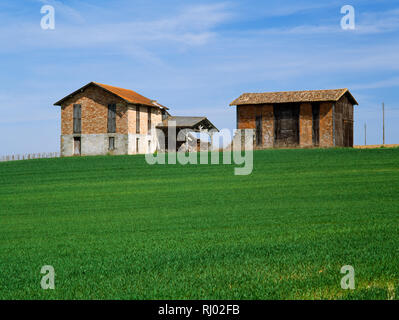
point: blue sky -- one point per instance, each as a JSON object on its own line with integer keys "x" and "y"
{"x": 193, "y": 56}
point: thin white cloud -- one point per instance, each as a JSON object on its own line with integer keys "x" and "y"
{"x": 378, "y": 22}
{"x": 366, "y": 23}
{"x": 192, "y": 27}
{"x": 386, "y": 83}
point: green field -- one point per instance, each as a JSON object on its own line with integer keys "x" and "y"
{"x": 114, "y": 227}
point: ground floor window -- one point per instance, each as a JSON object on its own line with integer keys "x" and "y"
{"x": 111, "y": 143}
{"x": 76, "y": 146}
{"x": 137, "y": 145}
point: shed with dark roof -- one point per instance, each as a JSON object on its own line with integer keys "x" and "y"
{"x": 186, "y": 125}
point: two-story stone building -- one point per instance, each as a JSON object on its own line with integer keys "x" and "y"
{"x": 100, "y": 119}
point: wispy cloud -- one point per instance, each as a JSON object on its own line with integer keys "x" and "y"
{"x": 369, "y": 22}
{"x": 386, "y": 83}
{"x": 378, "y": 22}
{"x": 65, "y": 10}
{"x": 192, "y": 26}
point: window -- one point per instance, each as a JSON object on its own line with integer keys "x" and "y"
{"x": 164, "y": 114}
{"x": 149, "y": 119}
{"x": 111, "y": 118}
{"x": 137, "y": 119}
{"x": 137, "y": 145}
{"x": 76, "y": 146}
{"x": 258, "y": 121}
{"x": 149, "y": 146}
{"x": 77, "y": 118}
{"x": 111, "y": 143}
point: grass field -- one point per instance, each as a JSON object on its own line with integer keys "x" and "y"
{"x": 114, "y": 227}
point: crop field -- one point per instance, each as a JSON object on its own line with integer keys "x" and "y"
{"x": 114, "y": 227}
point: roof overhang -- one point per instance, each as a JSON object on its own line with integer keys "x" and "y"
{"x": 194, "y": 124}
{"x": 310, "y": 96}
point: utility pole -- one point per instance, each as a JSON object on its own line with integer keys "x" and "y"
{"x": 365, "y": 134}
{"x": 383, "y": 123}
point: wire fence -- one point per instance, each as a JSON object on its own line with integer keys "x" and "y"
{"x": 28, "y": 156}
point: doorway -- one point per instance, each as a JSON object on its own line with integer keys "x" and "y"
{"x": 76, "y": 146}
{"x": 286, "y": 124}
{"x": 258, "y": 123}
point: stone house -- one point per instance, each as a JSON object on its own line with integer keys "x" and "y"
{"x": 100, "y": 119}
{"x": 317, "y": 118}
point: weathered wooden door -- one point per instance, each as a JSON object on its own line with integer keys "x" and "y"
{"x": 348, "y": 134}
{"x": 316, "y": 124}
{"x": 258, "y": 123}
{"x": 286, "y": 120}
{"x": 76, "y": 146}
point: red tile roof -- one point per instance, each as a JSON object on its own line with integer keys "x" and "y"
{"x": 129, "y": 96}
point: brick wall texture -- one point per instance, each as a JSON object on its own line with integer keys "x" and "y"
{"x": 305, "y": 125}
{"x": 94, "y": 102}
{"x": 330, "y": 132}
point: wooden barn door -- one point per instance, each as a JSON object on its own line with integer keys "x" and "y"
{"x": 316, "y": 124}
{"x": 258, "y": 123}
{"x": 286, "y": 120}
{"x": 348, "y": 133}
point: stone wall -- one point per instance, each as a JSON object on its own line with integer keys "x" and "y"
{"x": 66, "y": 144}
{"x": 267, "y": 126}
{"x": 94, "y": 124}
{"x": 246, "y": 115}
{"x": 147, "y": 143}
{"x": 246, "y": 120}
{"x": 94, "y": 102}
{"x": 94, "y": 144}
{"x": 326, "y": 125}
{"x": 305, "y": 125}
{"x": 156, "y": 118}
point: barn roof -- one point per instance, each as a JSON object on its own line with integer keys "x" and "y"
{"x": 129, "y": 96}
{"x": 188, "y": 122}
{"x": 293, "y": 96}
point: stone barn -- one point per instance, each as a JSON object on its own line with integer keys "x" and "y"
{"x": 100, "y": 119}
{"x": 317, "y": 118}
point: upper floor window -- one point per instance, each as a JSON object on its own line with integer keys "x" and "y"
{"x": 111, "y": 118}
{"x": 77, "y": 118}
{"x": 149, "y": 119}
{"x": 137, "y": 119}
{"x": 164, "y": 114}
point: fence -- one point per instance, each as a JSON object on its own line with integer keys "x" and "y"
{"x": 28, "y": 156}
